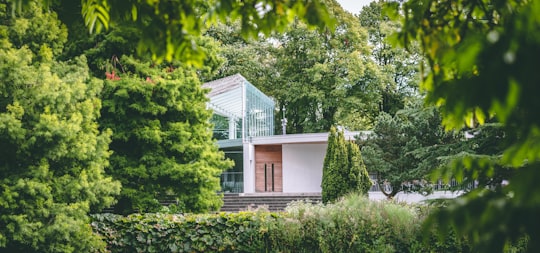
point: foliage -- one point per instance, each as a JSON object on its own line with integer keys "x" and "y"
{"x": 353, "y": 224}
{"x": 312, "y": 75}
{"x": 482, "y": 58}
{"x": 397, "y": 70}
{"x": 168, "y": 28}
{"x": 358, "y": 177}
{"x": 52, "y": 152}
{"x": 162, "y": 143}
{"x": 343, "y": 169}
{"x": 224, "y": 232}
{"x": 317, "y": 75}
{"x": 483, "y": 143}
{"x": 402, "y": 150}
{"x": 101, "y": 49}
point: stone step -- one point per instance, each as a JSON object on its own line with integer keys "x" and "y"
{"x": 270, "y": 201}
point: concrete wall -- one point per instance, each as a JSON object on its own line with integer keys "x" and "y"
{"x": 302, "y": 167}
{"x": 249, "y": 168}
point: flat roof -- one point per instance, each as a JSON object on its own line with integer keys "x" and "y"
{"x": 289, "y": 139}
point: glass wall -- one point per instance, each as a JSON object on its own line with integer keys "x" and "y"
{"x": 259, "y": 113}
{"x": 221, "y": 127}
{"x": 232, "y": 181}
{"x": 240, "y": 111}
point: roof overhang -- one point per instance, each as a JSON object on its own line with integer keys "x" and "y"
{"x": 312, "y": 138}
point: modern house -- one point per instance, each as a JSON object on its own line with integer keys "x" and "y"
{"x": 264, "y": 162}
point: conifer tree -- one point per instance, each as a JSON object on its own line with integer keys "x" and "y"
{"x": 358, "y": 176}
{"x": 330, "y": 178}
{"x": 343, "y": 169}
{"x": 52, "y": 155}
{"x": 162, "y": 139}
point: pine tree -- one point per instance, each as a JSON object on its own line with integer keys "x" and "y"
{"x": 162, "y": 139}
{"x": 52, "y": 155}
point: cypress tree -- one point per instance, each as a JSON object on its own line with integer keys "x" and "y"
{"x": 343, "y": 168}
{"x": 329, "y": 168}
{"x": 358, "y": 175}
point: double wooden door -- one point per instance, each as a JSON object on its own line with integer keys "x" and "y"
{"x": 268, "y": 168}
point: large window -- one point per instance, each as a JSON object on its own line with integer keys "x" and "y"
{"x": 232, "y": 181}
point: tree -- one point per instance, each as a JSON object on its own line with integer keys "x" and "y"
{"x": 253, "y": 58}
{"x": 343, "y": 169}
{"x": 397, "y": 69}
{"x": 161, "y": 143}
{"x": 52, "y": 153}
{"x": 169, "y": 29}
{"x": 313, "y": 75}
{"x": 317, "y": 71}
{"x": 403, "y": 149}
{"x": 482, "y": 58}
{"x": 359, "y": 179}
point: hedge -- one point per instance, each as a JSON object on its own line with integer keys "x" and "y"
{"x": 353, "y": 224}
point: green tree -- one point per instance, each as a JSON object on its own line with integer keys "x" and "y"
{"x": 52, "y": 152}
{"x": 253, "y": 58}
{"x": 359, "y": 179}
{"x": 405, "y": 148}
{"x": 317, "y": 72}
{"x": 343, "y": 169}
{"x": 397, "y": 69}
{"x": 313, "y": 75}
{"x": 169, "y": 29}
{"x": 162, "y": 142}
{"x": 482, "y": 59}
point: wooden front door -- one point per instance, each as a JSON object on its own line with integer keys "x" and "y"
{"x": 268, "y": 169}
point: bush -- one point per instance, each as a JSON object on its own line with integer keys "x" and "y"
{"x": 224, "y": 232}
{"x": 356, "y": 224}
{"x": 353, "y": 224}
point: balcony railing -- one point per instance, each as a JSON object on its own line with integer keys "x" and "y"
{"x": 453, "y": 185}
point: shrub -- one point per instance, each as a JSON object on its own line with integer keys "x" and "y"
{"x": 353, "y": 224}
{"x": 224, "y": 232}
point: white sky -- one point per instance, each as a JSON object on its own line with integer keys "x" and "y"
{"x": 353, "y": 6}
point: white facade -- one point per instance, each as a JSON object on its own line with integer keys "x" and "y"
{"x": 244, "y": 127}
{"x": 302, "y": 160}
{"x": 302, "y": 167}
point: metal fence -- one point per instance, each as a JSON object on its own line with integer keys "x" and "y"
{"x": 438, "y": 186}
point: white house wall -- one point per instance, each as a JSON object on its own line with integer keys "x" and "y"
{"x": 249, "y": 168}
{"x": 302, "y": 167}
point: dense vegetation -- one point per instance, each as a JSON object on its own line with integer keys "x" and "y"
{"x": 481, "y": 59}
{"x": 344, "y": 171}
{"x": 168, "y": 29}
{"x": 403, "y": 149}
{"x": 68, "y": 140}
{"x": 161, "y": 143}
{"x": 353, "y": 224}
{"x": 52, "y": 152}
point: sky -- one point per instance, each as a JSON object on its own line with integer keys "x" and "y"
{"x": 353, "y": 6}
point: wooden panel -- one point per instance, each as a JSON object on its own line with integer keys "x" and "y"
{"x": 268, "y": 155}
